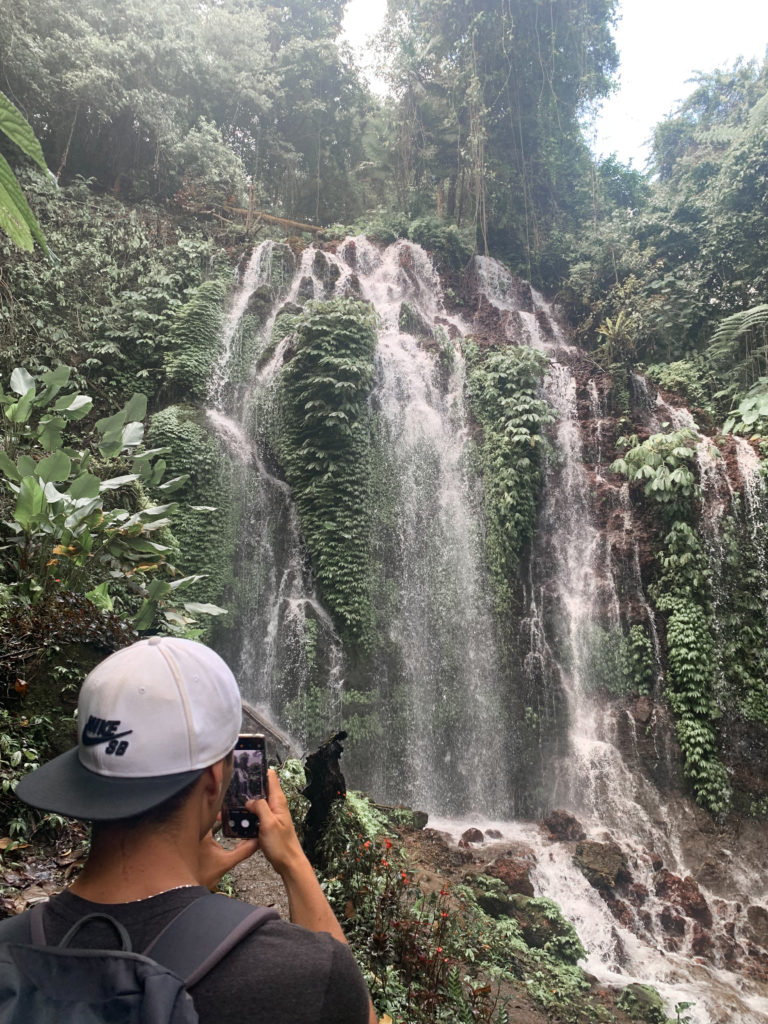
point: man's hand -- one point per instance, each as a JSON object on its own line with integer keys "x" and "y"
{"x": 277, "y": 836}
{"x": 214, "y": 861}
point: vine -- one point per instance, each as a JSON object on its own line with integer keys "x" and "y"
{"x": 325, "y": 449}
{"x": 663, "y": 464}
{"x": 504, "y": 394}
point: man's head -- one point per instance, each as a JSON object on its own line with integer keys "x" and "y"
{"x": 151, "y": 718}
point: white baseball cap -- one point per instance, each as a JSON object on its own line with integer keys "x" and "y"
{"x": 151, "y": 717}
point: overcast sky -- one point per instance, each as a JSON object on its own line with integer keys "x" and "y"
{"x": 662, "y": 43}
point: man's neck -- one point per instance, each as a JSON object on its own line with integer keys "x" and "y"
{"x": 125, "y": 865}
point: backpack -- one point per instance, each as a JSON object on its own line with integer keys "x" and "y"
{"x": 66, "y": 985}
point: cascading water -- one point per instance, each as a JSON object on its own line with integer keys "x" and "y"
{"x": 446, "y": 712}
{"x": 574, "y": 603}
{"x": 446, "y": 690}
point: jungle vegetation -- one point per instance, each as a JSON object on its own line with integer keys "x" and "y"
{"x": 162, "y": 124}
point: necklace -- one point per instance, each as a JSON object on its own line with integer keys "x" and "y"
{"x": 173, "y": 888}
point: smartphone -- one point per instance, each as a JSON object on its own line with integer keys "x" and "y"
{"x": 249, "y": 782}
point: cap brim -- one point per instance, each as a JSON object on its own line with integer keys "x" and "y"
{"x": 66, "y": 787}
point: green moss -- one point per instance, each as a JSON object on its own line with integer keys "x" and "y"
{"x": 194, "y": 341}
{"x": 325, "y": 450}
{"x": 504, "y": 394}
{"x": 206, "y": 525}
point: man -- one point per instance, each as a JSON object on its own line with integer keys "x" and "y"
{"x": 157, "y": 724}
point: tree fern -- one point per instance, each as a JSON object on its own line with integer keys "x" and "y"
{"x": 739, "y": 350}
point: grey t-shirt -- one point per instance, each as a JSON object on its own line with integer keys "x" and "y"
{"x": 281, "y": 974}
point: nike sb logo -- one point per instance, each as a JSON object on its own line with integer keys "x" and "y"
{"x": 103, "y": 730}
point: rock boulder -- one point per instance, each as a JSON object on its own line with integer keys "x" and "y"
{"x": 563, "y": 827}
{"x": 602, "y": 864}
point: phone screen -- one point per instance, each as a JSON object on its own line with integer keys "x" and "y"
{"x": 249, "y": 781}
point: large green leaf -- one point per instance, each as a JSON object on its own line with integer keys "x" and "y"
{"x": 74, "y": 407}
{"x": 54, "y": 468}
{"x": 196, "y": 608}
{"x": 20, "y": 411}
{"x": 8, "y": 467}
{"x": 85, "y": 486}
{"x": 135, "y": 408}
{"x": 100, "y": 597}
{"x": 16, "y": 218}
{"x": 118, "y": 481}
{"x": 30, "y": 503}
{"x": 54, "y": 381}
{"x": 49, "y": 432}
{"x": 26, "y": 465}
{"x": 18, "y": 130}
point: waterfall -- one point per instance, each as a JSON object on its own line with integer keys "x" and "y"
{"x": 448, "y": 688}
{"x": 469, "y": 725}
{"x": 574, "y": 614}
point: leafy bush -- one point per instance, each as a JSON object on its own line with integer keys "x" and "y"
{"x": 663, "y": 465}
{"x": 25, "y": 741}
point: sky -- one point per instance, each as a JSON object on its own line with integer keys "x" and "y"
{"x": 661, "y": 43}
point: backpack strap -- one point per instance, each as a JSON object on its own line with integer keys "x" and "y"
{"x": 19, "y": 927}
{"x": 203, "y": 933}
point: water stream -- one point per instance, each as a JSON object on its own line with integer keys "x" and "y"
{"x": 449, "y": 740}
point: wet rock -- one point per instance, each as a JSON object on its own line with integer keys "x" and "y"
{"x": 672, "y": 922}
{"x": 602, "y": 864}
{"x": 702, "y": 942}
{"x": 350, "y": 254}
{"x": 637, "y": 894}
{"x": 621, "y": 911}
{"x": 644, "y": 1001}
{"x": 326, "y": 271}
{"x": 352, "y": 287}
{"x": 260, "y": 302}
{"x": 656, "y": 861}
{"x": 562, "y": 826}
{"x": 472, "y": 835}
{"x": 306, "y": 290}
{"x": 514, "y": 872}
{"x": 685, "y": 894}
{"x": 410, "y": 321}
{"x": 493, "y": 833}
{"x": 642, "y": 710}
{"x": 729, "y": 951}
{"x": 757, "y": 929}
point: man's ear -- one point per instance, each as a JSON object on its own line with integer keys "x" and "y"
{"x": 213, "y": 781}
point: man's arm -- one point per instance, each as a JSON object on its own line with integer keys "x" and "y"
{"x": 280, "y": 845}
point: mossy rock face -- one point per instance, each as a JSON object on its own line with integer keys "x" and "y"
{"x": 406, "y": 817}
{"x": 544, "y": 927}
{"x": 602, "y": 864}
{"x": 644, "y": 1003}
{"x": 260, "y": 303}
{"x": 496, "y": 906}
{"x": 410, "y": 321}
